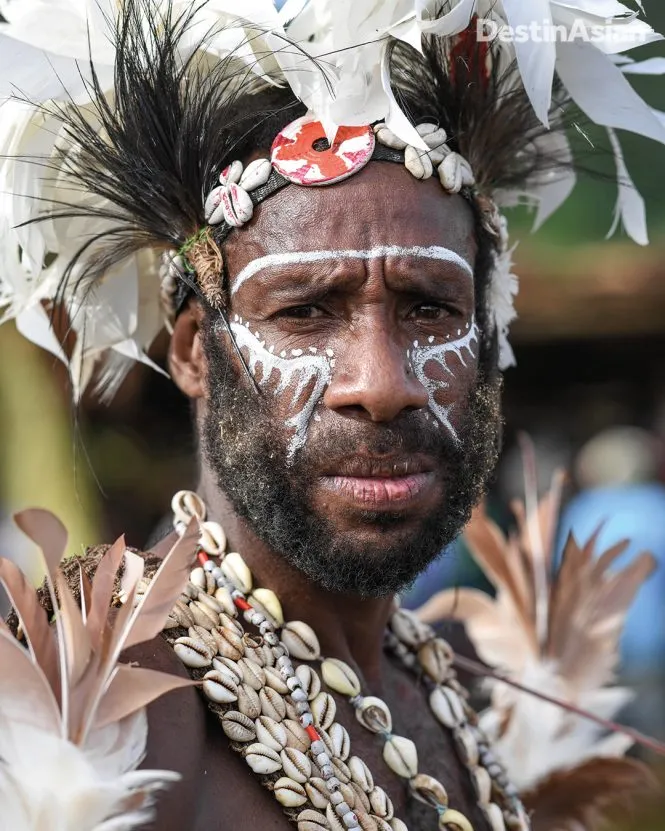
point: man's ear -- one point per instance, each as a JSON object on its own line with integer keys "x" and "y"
{"x": 187, "y": 363}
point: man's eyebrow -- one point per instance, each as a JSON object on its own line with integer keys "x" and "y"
{"x": 430, "y": 252}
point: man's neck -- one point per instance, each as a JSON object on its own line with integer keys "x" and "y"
{"x": 348, "y": 627}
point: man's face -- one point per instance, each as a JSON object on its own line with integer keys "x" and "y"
{"x": 371, "y": 438}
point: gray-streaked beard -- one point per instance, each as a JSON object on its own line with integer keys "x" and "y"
{"x": 246, "y": 450}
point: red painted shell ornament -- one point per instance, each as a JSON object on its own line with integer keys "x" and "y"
{"x": 303, "y": 155}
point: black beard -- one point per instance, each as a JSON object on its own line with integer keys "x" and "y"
{"x": 247, "y": 452}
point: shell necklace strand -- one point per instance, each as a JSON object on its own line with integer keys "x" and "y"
{"x": 281, "y": 719}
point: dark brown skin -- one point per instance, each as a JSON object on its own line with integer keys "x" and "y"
{"x": 371, "y": 312}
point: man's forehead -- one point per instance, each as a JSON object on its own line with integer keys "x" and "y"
{"x": 381, "y": 212}
{"x": 283, "y": 261}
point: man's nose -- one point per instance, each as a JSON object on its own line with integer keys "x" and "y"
{"x": 373, "y": 378}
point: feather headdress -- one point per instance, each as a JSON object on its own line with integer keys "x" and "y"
{"x": 119, "y": 115}
{"x": 554, "y": 630}
{"x": 73, "y": 725}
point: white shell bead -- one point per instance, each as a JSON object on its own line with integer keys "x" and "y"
{"x": 238, "y": 727}
{"x": 374, "y": 715}
{"x": 236, "y": 204}
{"x": 340, "y": 677}
{"x": 309, "y": 820}
{"x": 466, "y": 745}
{"x": 275, "y": 681}
{"x": 429, "y": 790}
{"x": 342, "y": 771}
{"x": 426, "y": 129}
{"x": 227, "y": 667}
{"x": 296, "y": 765}
{"x": 232, "y": 173}
{"x": 269, "y": 602}
{"x": 296, "y": 735}
{"x": 340, "y": 741}
{"x": 198, "y": 577}
{"x": 397, "y": 825}
{"x": 455, "y": 820}
{"x": 198, "y": 632}
{"x": 229, "y": 643}
{"x": 455, "y": 173}
{"x": 231, "y": 624}
{"x": 381, "y": 803}
{"x": 418, "y": 163}
{"x": 223, "y": 597}
{"x": 210, "y": 602}
{"x": 409, "y": 629}
{"x": 384, "y": 135}
{"x": 436, "y": 658}
{"x": 318, "y": 793}
{"x": 212, "y": 538}
{"x": 203, "y": 615}
{"x": 288, "y": 793}
{"x": 252, "y": 674}
{"x": 401, "y": 756}
{"x": 359, "y": 798}
{"x": 495, "y": 816}
{"x": 193, "y": 652}
{"x": 236, "y": 570}
{"x": 301, "y": 641}
{"x": 248, "y": 701}
{"x": 272, "y": 704}
{"x": 187, "y": 504}
{"x": 447, "y": 707}
{"x": 271, "y": 733}
{"x": 309, "y": 678}
{"x": 255, "y": 174}
{"x": 361, "y": 774}
{"x": 219, "y": 687}
{"x": 482, "y": 784}
{"x": 262, "y": 759}
{"x": 324, "y": 710}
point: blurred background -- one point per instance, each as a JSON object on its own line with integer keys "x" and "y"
{"x": 589, "y": 388}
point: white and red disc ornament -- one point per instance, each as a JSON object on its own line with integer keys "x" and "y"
{"x": 303, "y": 155}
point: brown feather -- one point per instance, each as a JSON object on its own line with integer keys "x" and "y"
{"x": 47, "y": 532}
{"x": 102, "y": 591}
{"x": 25, "y": 694}
{"x": 164, "y": 589}
{"x": 77, "y": 642}
{"x": 593, "y": 796}
{"x": 132, "y": 688}
{"x": 34, "y": 622}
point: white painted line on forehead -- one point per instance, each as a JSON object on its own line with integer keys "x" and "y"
{"x": 430, "y": 252}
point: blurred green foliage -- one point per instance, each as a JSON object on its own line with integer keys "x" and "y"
{"x": 587, "y": 216}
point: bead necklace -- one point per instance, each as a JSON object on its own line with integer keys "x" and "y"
{"x": 281, "y": 719}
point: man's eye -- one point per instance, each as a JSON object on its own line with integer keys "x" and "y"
{"x": 301, "y": 312}
{"x": 429, "y": 311}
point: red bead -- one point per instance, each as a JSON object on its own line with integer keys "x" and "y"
{"x": 312, "y": 733}
{"x": 202, "y": 557}
{"x": 243, "y": 605}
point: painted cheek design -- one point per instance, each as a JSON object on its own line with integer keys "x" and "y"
{"x": 298, "y": 371}
{"x": 420, "y": 356}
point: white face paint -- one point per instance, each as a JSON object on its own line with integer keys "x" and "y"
{"x": 430, "y": 252}
{"x": 301, "y": 369}
{"x": 419, "y": 356}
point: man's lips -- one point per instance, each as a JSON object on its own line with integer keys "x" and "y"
{"x": 381, "y": 483}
